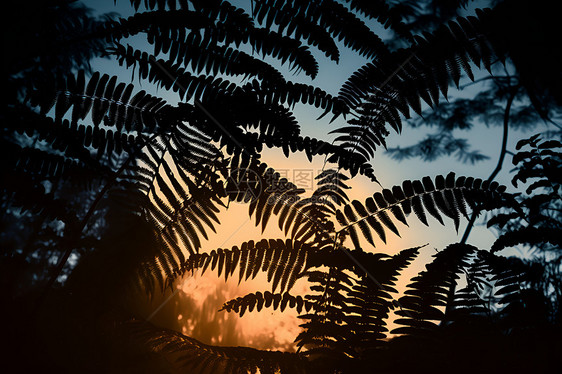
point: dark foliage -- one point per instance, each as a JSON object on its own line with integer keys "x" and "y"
{"x": 107, "y": 190}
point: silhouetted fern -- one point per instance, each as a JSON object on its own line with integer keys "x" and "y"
{"x": 281, "y": 260}
{"x": 134, "y": 185}
{"x": 536, "y": 222}
{"x": 430, "y": 290}
{"x": 448, "y": 196}
{"x": 186, "y": 353}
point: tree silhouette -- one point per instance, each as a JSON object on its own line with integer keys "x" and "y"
{"x": 108, "y": 191}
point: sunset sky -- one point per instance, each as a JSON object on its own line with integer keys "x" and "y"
{"x": 200, "y": 296}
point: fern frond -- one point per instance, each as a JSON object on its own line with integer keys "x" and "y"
{"x": 389, "y": 17}
{"x": 291, "y": 93}
{"x": 207, "y": 59}
{"x": 283, "y": 261}
{"x": 448, "y": 196}
{"x": 529, "y": 236}
{"x": 173, "y": 186}
{"x": 290, "y": 20}
{"x": 187, "y": 354}
{"x": 101, "y": 97}
{"x": 158, "y": 4}
{"x": 269, "y": 194}
{"x": 71, "y": 138}
{"x": 382, "y": 89}
{"x": 430, "y": 290}
{"x": 153, "y": 22}
{"x": 332, "y": 16}
{"x": 172, "y": 76}
{"x": 258, "y": 301}
{"x": 350, "y": 312}
{"x": 331, "y": 184}
{"x": 468, "y": 305}
{"x": 502, "y": 278}
{"x": 353, "y": 162}
{"x": 534, "y": 221}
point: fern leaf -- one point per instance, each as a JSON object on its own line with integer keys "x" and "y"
{"x": 429, "y": 290}
{"x": 448, "y": 195}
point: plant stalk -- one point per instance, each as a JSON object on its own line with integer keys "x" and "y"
{"x": 497, "y": 169}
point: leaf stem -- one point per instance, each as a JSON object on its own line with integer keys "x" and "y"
{"x": 501, "y": 158}
{"x": 503, "y": 151}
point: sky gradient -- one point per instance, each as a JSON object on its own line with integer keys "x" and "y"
{"x": 200, "y": 297}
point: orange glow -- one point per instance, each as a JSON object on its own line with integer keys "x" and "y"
{"x": 195, "y": 311}
{"x": 270, "y": 329}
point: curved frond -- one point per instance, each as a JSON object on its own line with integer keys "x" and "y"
{"x": 330, "y": 15}
{"x": 101, "y": 96}
{"x": 447, "y": 196}
{"x": 382, "y": 90}
{"x": 189, "y": 355}
{"x": 258, "y": 301}
{"x": 282, "y": 260}
{"x": 429, "y": 291}
{"x": 389, "y": 17}
{"x": 534, "y": 222}
{"x": 349, "y": 311}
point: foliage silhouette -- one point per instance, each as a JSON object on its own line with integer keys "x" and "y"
{"x": 121, "y": 188}
{"x": 536, "y": 99}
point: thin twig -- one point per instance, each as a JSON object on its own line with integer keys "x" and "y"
{"x": 501, "y": 158}
{"x": 451, "y": 292}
